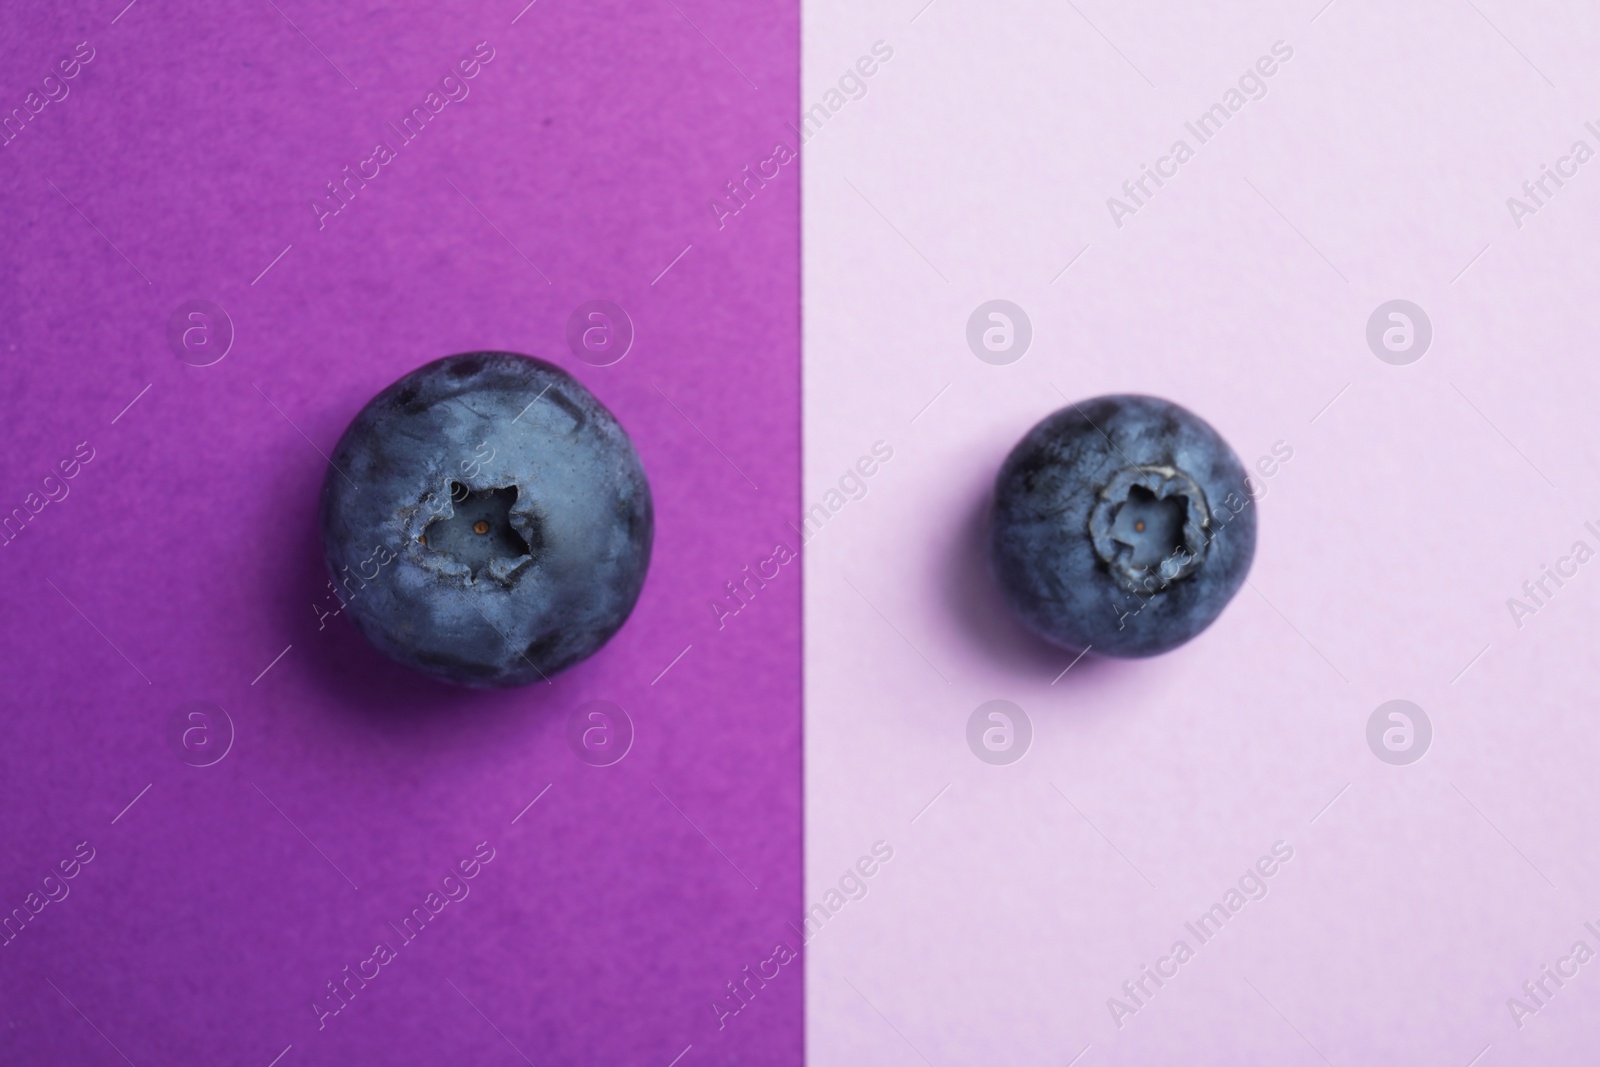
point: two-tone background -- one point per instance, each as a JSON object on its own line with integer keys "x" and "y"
{"x": 806, "y": 217}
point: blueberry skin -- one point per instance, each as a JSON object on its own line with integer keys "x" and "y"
{"x": 1124, "y": 524}
{"x": 487, "y": 521}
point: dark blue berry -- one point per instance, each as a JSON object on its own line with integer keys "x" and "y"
{"x": 487, "y": 521}
{"x": 1124, "y": 524}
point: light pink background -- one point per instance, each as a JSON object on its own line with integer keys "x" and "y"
{"x": 1377, "y": 167}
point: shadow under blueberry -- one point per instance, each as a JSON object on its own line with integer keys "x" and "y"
{"x": 973, "y": 599}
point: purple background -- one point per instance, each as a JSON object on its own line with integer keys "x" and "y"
{"x": 206, "y": 924}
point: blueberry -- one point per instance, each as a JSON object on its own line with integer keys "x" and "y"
{"x": 1124, "y": 524}
{"x": 487, "y": 521}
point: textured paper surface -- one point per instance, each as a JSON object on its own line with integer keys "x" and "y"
{"x": 1419, "y": 499}
{"x": 183, "y": 563}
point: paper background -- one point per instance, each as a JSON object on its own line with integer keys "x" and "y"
{"x": 977, "y": 166}
{"x": 193, "y": 142}
{"x": 184, "y": 566}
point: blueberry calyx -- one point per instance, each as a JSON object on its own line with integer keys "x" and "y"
{"x": 480, "y": 530}
{"x": 1149, "y": 526}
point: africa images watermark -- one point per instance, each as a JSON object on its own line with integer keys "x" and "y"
{"x": 55, "y": 489}
{"x": 453, "y": 88}
{"x": 1536, "y": 993}
{"x": 453, "y": 888}
{"x": 1252, "y": 886}
{"x": 1536, "y": 192}
{"x": 1536, "y": 591}
{"x": 53, "y": 89}
{"x": 55, "y": 890}
{"x": 852, "y": 485}
{"x": 852, "y": 886}
{"x": 852, "y": 85}
{"x": 1252, "y": 85}
{"x": 741, "y": 592}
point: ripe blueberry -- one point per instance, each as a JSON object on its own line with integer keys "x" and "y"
{"x": 487, "y": 521}
{"x": 1124, "y": 524}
